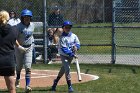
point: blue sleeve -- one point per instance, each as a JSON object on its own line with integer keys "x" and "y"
{"x": 67, "y": 51}
{"x": 78, "y": 46}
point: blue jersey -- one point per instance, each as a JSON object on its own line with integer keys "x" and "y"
{"x": 66, "y": 43}
{"x": 25, "y": 36}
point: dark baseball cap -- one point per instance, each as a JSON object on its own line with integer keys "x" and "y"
{"x": 56, "y": 8}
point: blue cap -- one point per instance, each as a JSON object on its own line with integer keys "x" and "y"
{"x": 67, "y": 23}
{"x": 26, "y": 12}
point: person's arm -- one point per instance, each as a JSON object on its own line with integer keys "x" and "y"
{"x": 77, "y": 43}
{"x": 55, "y": 36}
{"x": 17, "y": 43}
{"x": 22, "y": 49}
{"x": 67, "y": 51}
{"x": 76, "y": 46}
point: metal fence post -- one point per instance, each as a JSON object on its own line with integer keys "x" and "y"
{"x": 45, "y": 32}
{"x": 113, "y": 54}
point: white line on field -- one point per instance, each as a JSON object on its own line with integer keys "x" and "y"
{"x": 94, "y": 77}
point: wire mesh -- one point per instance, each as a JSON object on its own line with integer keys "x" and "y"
{"x": 92, "y": 22}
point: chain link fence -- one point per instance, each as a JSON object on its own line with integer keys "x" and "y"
{"x": 127, "y": 31}
{"x": 108, "y": 29}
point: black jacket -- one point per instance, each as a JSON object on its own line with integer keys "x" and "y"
{"x": 8, "y": 36}
{"x": 55, "y": 20}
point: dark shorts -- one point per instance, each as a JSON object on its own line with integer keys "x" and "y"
{"x": 7, "y": 71}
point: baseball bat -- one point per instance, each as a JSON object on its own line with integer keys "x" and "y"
{"x": 78, "y": 70}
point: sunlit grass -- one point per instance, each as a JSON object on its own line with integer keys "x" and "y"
{"x": 121, "y": 79}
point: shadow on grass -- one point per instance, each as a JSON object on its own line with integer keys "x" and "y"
{"x": 37, "y": 90}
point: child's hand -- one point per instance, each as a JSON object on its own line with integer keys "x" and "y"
{"x": 75, "y": 56}
{"x": 74, "y": 49}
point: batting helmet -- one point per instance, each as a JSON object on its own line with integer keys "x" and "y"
{"x": 26, "y": 12}
{"x": 67, "y": 23}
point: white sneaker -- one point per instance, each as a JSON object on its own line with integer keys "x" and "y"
{"x": 17, "y": 83}
{"x": 57, "y": 55}
{"x": 28, "y": 89}
{"x": 39, "y": 57}
{"x": 50, "y": 62}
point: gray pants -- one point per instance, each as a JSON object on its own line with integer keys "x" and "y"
{"x": 66, "y": 61}
{"x": 23, "y": 59}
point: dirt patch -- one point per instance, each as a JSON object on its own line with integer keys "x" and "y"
{"x": 44, "y": 78}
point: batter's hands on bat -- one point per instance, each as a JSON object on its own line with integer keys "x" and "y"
{"x": 75, "y": 56}
{"x": 74, "y": 49}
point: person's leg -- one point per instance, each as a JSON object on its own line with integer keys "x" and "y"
{"x": 67, "y": 63}
{"x": 10, "y": 83}
{"x": 53, "y": 52}
{"x": 27, "y": 64}
{"x": 19, "y": 65}
{"x": 28, "y": 80}
{"x": 8, "y": 74}
{"x": 49, "y": 55}
{"x": 60, "y": 74}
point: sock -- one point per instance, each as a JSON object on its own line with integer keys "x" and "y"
{"x": 27, "y": 78}
{"x": 69, "y": 83}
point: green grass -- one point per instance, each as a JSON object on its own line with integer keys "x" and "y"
{"x": 96, "y": 36}
{"x": 122, "y": 79}
{"x": 123, "y": 37}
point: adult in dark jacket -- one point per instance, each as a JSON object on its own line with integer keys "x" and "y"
{"x": 55, "y": 18}
{"x": 8, "y": 37}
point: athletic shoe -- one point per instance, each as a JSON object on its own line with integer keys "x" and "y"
{"x": 54, "y": 85}
{"x": 53, "y": 88}
{"x": 58, "y": 55}
{"x": 28, "y": 89}
{"x": 50, "y": 62}
{"x": 70, "y": 89}
{"x": 17, "y": 83}
{"x": 39, "y": 57}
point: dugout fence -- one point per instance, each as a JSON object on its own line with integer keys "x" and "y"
{"x": 126, "y": 25}
{"x": 108, "y": 29}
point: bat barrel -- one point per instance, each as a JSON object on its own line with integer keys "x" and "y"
{"x": 78, "y": 70}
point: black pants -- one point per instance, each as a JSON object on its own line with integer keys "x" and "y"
{"x": 52, "y": 50}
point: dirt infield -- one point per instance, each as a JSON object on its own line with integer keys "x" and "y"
{"x": 44, "y": 78}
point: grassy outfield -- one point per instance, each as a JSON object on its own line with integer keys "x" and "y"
{"x": 100, "y": 36}
{"x": 113, "y": 79}
{"x": 97, "y": 34}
